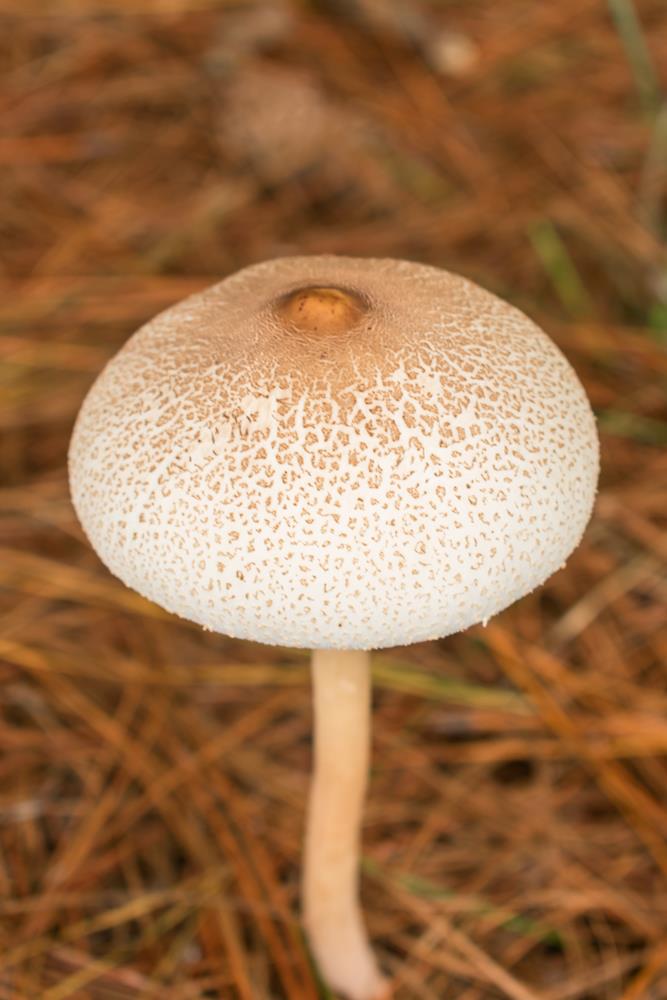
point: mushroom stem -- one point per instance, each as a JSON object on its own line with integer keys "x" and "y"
{"x": 332, "y": 915}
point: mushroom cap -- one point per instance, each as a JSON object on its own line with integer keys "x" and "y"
{"x": 332, "y": 452}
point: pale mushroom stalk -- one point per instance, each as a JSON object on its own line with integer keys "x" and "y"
{"x": 332, "y": 914}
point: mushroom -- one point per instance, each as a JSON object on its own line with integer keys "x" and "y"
{"x": 338, "y": 454}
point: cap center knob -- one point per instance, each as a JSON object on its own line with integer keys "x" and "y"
{"x": 322, "y": 309}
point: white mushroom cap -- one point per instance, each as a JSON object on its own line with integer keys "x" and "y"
{"x": 331, "y": 452}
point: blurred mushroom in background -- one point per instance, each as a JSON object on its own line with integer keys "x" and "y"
{"x": 280, "y": 124}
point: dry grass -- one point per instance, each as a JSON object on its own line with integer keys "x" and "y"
{"x": 153, "y": 777}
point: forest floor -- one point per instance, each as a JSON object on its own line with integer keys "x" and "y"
{"x": 153, "y": 777}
